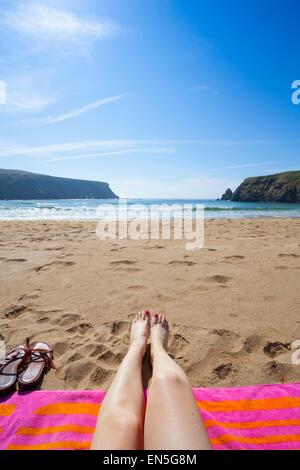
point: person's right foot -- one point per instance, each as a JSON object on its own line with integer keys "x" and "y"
{"x": 159, "y": 331}
{"x": 140, "y": 329}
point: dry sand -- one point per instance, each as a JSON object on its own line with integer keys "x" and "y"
{"x": 234, "y": 306}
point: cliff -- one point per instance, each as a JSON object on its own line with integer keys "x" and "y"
{"x": 282, "y": 187}
{"x": 227, "y": 196}
{"x": 16, "y": 184}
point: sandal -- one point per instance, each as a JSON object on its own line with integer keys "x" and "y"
{"x": 9, "y": 368}
{"x": 38, "y": 360}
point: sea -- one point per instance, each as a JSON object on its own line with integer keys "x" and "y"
{"x": 93, "y": 209}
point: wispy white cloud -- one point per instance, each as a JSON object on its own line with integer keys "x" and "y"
{"x": 145, "y": 150}
{"x": 18, "y": 102}
{"x": 204, "y": 88}
{"x": 241, "y": 166}
{"x": 22, "y": 98}
{"x": 18, "y": 150}
{"x": 83, "y": 110}
{"x": 117, "y": 144}
{"x": 223, "y": 142}
{"x": 48, "y": 25}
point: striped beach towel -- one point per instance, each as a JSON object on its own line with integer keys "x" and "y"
{"x": 264, "y": 417}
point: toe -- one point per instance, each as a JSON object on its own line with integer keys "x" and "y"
{"x": 148, "y": 317}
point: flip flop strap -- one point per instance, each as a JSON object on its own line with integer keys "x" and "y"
{"x": 5, "y": 362}
{"x": 34, "y": 355}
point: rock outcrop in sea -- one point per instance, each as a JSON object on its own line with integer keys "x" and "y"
{"x": 227, "y": 196}
{"x": 281, "y": 187}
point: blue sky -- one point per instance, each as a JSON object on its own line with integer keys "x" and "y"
{"x": 161, "y": 98}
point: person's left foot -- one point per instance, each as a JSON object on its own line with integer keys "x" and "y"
{"x": 140, "y": 328}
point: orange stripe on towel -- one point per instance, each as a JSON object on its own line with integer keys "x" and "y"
{"x": 55, "y": 429}
{"x": 52, "y": 445}
{"x": 69, "y": 409}
{"x": 249, "y": 405}
{"x": 7, "y": 410}
{"x": 252, "y": 424}
{"x": 225, "y": 438}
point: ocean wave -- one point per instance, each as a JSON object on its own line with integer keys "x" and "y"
{"x": 246, "y": 209}
{"x": 93, "y": 209}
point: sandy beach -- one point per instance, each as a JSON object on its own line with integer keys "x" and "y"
{"x": 234, "y": 306}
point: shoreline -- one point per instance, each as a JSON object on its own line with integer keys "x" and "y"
{"x": 96, "y": 220}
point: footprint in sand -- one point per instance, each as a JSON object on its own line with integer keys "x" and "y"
{"x": 219, "y": 279}
{"x": 92, "y": 349}
{"x": 178, "y": 338}
{"x": 228, "y": 341}
{"x": 154, "y": 247}
{"x": 176, "y": 262}
{"x": 279, "y": 372}
{"x": 15, "y": 260}
{"x": 274, "y": 349}
{"x": 92, "y": 364}
{"x": 46, "y": 266}
{"x": 73, "y": 373}
{"x": 222, "y": 371}
{"x": 100, "y": 376}
{"x": 50, "y": 316}
{"x": 126, "y": 262}
{"x": 125, "y": 265}
{"x": 82, "y": 328}
{"x": 128, "y": 269}
{"x": 60, "y": 348}
{"x": 30, "y": 295}
{"x": 136, "y": 288}
{"x": 75, "y": 356}
{"x": 43, "y": 320}
{"x": 252, "y": 343}
{"x": 111, "y": 359}
{"x": 234, "y": 257}
{"x": 13, "y": 311}
{"x": 178, "y": 344}
{"x": 68, "y": 319}
{"x": 269, "y": 298}
{"x": 118, "y": 328}
{"x": 288, "y": 255}
{"x": 55, "y": 248}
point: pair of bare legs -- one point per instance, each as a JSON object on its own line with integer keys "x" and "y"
{"x": 170, "y": 420}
